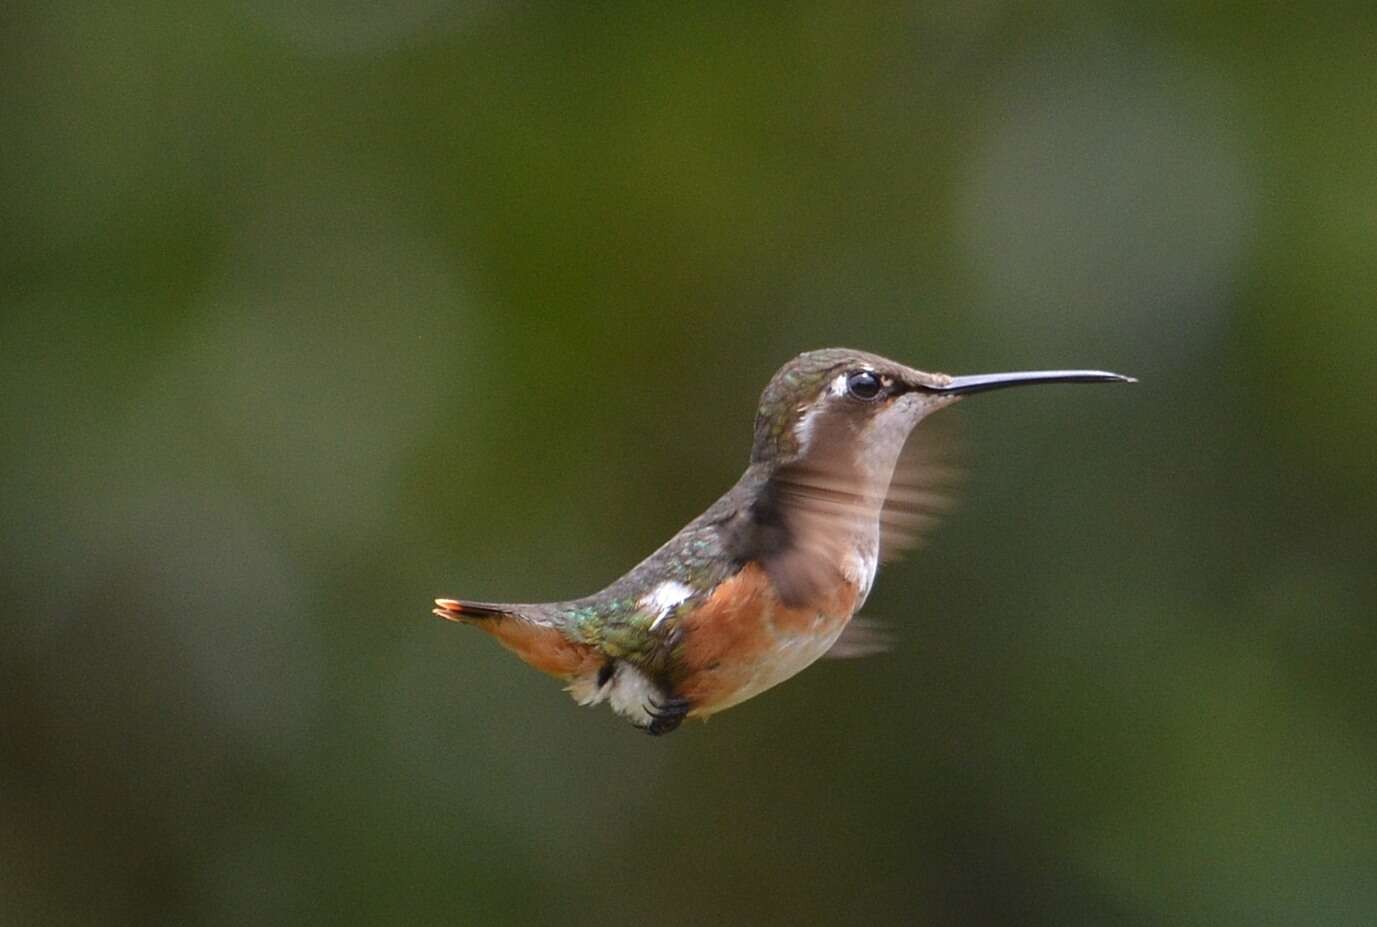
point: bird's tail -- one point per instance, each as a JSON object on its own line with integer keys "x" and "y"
{"x": 469, "y": 612}
{"x": 520, "y": 629}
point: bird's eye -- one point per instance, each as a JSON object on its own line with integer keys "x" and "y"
{"x": 863, "y": 385}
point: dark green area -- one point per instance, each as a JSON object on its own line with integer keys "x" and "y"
{"x": 313, "y": 312}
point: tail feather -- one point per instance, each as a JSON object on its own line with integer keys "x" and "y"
{"x": 541, "y": 643}
{"x": 463, "y": 610}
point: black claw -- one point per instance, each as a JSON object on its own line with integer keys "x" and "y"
{"x": 668, "y": 708}
{"x": 666, "y": 715}
{"x": 662, "y": 726}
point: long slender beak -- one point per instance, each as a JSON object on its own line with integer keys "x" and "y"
{"x": 982, "y": 382}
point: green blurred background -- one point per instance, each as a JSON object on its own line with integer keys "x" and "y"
{"x": 312, "y": 312}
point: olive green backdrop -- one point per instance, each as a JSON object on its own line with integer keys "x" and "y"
{"x": 315, "y": 311}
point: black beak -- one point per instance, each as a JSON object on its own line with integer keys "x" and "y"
{"x": 982, "y": 382}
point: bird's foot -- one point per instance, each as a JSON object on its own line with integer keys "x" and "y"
{"x": 666, "y": 715}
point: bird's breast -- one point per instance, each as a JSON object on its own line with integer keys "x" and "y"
{"x": 743, "y": 639}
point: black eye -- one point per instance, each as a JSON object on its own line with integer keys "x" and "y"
{"x": 863, "y": 385}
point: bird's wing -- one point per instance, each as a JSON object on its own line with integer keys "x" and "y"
{"x": 863, "y": 637}
{"x": 811, "y": 512}
{"x": 927, "y": 481}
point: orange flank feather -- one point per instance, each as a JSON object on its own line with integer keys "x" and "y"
{"x": 540, "y": 646}
{"x": 743, "y": 638}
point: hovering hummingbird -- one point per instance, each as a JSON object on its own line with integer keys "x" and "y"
{"x": 767, "y": 580}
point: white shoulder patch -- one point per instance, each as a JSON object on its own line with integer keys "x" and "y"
{"x": 664, "y": 599}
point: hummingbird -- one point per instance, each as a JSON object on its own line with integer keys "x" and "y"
{"x": 768, "y": 579}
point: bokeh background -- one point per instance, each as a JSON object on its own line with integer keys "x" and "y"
{"x": 314, "y": 311}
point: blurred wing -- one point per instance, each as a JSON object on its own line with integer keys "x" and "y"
{"x": 863, "y": 637}
{"x": 927, "y": 481}
{"x": 818, "y": 507}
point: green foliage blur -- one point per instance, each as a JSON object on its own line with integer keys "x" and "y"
{"x": 313, "y": 312}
